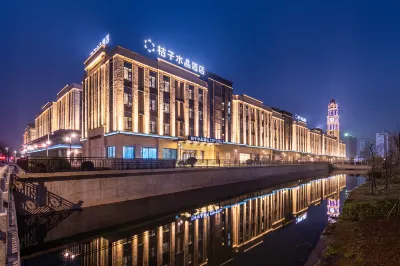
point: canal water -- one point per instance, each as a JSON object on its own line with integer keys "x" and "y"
{"x": 277, "y": 225}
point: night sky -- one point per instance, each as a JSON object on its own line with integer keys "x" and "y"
{"x": 295, "y": 55}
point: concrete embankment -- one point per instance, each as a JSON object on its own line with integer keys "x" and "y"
{"x": 105, "y": 187}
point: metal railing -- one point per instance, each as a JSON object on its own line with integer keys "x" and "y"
{"x": 63, "y": 164}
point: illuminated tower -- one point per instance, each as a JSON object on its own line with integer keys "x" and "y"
{"x": 332, "y": 124}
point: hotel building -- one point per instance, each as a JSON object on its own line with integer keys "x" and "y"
{"x": 56, "y": 122}
{"x": 138, "y": 107}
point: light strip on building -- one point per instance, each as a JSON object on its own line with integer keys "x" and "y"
{"x": 140, "y": 134}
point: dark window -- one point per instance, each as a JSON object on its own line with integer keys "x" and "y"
{"x": 141, "y": 78}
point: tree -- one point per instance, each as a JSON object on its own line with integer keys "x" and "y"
{"x": 373, "y": 154}
{"x": 394, "y": 144}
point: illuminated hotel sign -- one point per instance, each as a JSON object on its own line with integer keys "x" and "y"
{"x": 204, "y": 214}
{"x": 207, "y": 140}
{"x": 301, "y": 218}
{"x": 300, "y": 118}
{"x": 171, "y": 56}
{"x": 105, "y": 41}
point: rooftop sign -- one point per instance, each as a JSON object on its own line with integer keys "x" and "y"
{"x": 167, "y": 54}
{"x": 105, "y": 41}
{"x": 300, "y": 118}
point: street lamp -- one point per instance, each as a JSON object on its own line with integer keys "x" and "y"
{"x": 46, "y": 144}
{"x": 72, "y": 135}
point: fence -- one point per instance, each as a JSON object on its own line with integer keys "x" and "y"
{"x": 61, "y": 164}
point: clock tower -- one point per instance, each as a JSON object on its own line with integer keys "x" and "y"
{"x": 332, "y": 124}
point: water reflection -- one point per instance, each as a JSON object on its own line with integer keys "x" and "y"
{"x": 209, "y": 235}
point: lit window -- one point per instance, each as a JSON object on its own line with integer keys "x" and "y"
{"x": 166, "y": 84}
{"x": 153, "y": 105}
{"x": 166, "y": 129}
{"x": 200, "y": 115}
{"x": 166, "y": 107}
{"x": 128, "y": 99}
{"x": 149, "y": 153}
{"x": 191, "y": 113}
{"x": 127, "y": 71}
{"x": 153, "y": 127}
{"x": 128, "y": 123}
{"x": 128, "y": 152}
{"x": 111, "y": 152}
{"x": 152, "y": 80}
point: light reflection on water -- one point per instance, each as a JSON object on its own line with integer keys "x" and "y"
{"x": 243, "y": 229}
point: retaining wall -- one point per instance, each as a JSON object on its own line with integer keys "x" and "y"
{"x": 105, "y": 187}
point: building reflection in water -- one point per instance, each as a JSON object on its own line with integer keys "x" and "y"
{"x": 210, "y": 235}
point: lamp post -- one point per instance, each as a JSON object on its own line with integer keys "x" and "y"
{"x": 8, "y": 157}
{"x": 72, "y": 135}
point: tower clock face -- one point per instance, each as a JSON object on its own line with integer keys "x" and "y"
{"x": 332, "y": 119}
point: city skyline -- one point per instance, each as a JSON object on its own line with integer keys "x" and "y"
{"x": 295, "y": 65}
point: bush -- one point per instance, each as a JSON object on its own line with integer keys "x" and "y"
{"x": 192, "y": 161}
{"x": 249, "y": 162}
{"x": 87, "y": 166}
{"x": 181, "y": 163}
{"x": 60, "y": 165}
{"x": 40, "y": 168}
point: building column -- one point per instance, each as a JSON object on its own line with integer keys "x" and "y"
{"x": 160, "y": 246}
{"x": 134, "y": 250}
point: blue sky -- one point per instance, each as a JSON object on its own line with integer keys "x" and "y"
{"x": 295, "y": 55}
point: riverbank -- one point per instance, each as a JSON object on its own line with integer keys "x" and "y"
{"x": 364, "y": 234}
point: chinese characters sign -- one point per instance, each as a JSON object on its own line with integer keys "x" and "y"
{"x": 207, "y": 140}
{"x": 105, "y": 41}
{"x": 300, "y": 118}
{"x": 173, "y": 57}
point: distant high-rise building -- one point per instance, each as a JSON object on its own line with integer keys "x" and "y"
{"x": 351, "y": 145}
{"x": 332, "y": 124}
{"x": 362, "y": 146}
{"x": 382, "y": 144}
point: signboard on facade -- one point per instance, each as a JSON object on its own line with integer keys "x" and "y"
{"x": 205, "y": 214}
{"x": 300, "y": 118}
{"x": 173, "y": 57}
{"x": 206, "y": 140}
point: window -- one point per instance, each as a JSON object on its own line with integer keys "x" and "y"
{"x": 127, "y": 99}
{"x": 128, "y": 152}
{"x": 191, "y": 131}
{"x": 166, "y": 108}
{"x": 152, "y": 80}
{"x": 200, "y": 115}
{"x": 128, "y": 123}
{"x": 169, "y": 154}
{"x": 191, "y": 92}
{"x": 111, "y": 152}
{"x": 149, "y": 153}
{"x": 191, "y": 113}
{"x": 200, "y": 95}
{"x": 166, "y": 84}
{"x": 166, "y": 129}
{"x": 153, "y": 104}
{"x": 127, "y": 71}
{"x": 141, "y": 78}
{"x": 153, "y": 127}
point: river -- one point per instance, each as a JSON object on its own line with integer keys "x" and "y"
{"x": 276, "y": 225}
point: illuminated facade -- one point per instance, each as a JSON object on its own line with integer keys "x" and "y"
{"x": 57, "y": 120}
{"x": 29, "y": 133}
{"x": 137, "y": 107}
{"x": 332, "y": 120}
{"x": 209, "y": 235}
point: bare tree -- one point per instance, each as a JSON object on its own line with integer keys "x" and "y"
{"x": 394, "y": 140}
{"x": 373, "y": 153}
